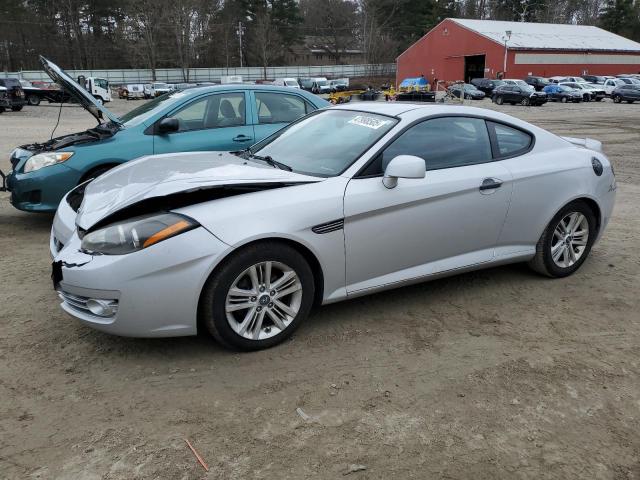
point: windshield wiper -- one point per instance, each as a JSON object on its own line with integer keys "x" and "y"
{"x": 272, "y": 162}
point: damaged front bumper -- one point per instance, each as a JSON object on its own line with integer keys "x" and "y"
{"x": 153, "y": 292}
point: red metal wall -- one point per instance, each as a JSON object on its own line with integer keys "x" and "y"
{"x": 440, "y": 54}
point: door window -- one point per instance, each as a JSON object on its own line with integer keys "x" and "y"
{"x": 510, "y": 141}
{"x": 214, "y": 111}
{"x": 442, "y": 142}
{"x": 280, "y": 107}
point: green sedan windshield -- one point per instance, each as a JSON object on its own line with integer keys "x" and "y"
{"x": 148, "y": 109}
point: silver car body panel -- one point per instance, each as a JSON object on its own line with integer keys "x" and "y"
{"x": 421, "y": 229}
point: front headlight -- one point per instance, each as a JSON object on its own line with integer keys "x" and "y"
{"x": 136, "y": 233}
{"x": 46, "y": 159}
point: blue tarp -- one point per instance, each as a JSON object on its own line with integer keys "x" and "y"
{"x": 414, "y": 82}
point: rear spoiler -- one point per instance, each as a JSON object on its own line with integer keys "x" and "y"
{"x": 589, "y": 143}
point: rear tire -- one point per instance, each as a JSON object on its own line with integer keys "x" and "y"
{"x": 525, "y": 102}
{"x": 232, "y": 285}
{"x": 563, "y": 248}
{"x": 563, "y": 99}
{"x": 33, "y": 100}
{"x": 499, "y": 100}
{"x": 16, "y": 109}
{"x": 616, "y": 99}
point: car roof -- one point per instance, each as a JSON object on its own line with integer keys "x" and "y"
{"x": 421, "y": 109}
{"x": 394, "y": 109}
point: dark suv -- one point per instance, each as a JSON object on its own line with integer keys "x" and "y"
{"x": 524, "y": 95}
{"x": 626, "y": 93}
{"x": 15, "y": 94}
{"x": 537, "y": 82}
{"x": 486, "y": 85}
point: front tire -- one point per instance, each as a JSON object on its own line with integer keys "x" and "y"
{"x": 566, "y": 242}
{"x": 499, "y": 100}
{"x": 258, "y": 297}
{"x": 525, "y": 102}
{"x": 563, "y": 99}
{"x": 16, "y": 109}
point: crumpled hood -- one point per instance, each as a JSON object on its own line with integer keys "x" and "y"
{"x": 162, "y": 175}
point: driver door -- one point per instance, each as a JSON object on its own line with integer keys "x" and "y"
{"x": 212, "y": 122}
{"x": 445, "y": 221}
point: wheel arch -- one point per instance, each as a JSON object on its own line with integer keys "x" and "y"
{"x": 590, "y": 201}
{"x": 108, "y": 165}
{"x": 300, "y": 247}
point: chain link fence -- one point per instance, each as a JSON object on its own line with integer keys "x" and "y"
{"x": 195, "y": 75}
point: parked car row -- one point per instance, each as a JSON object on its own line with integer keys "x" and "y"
{"x": 536, "y": 90}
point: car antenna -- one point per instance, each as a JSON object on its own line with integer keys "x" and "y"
{"x": 58, "y": 122}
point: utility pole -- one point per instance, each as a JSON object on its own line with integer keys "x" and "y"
{"x": 240, "y": 32}
{"x": 8, "y": 61}
{"x": 506, "y": 38}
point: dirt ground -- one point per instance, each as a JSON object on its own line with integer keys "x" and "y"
{"x": 497, "y": 374}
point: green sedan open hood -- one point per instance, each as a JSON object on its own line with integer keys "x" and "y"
{"x": 74, "y": 89}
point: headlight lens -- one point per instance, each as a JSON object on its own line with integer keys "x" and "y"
{"x": 46, "y": 159}
{"x": 137, "y": 233}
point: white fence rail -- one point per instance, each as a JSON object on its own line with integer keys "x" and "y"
{"x": 177, "y": 75}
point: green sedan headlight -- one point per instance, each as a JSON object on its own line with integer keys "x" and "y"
{"x": 46, "y": 159}
{"x": 136, "y": 233}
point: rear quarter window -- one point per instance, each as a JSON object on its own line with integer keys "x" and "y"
{"x": 509, "y": 141}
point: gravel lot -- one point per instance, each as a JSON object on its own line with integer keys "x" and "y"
{"x": 493, "y": 374}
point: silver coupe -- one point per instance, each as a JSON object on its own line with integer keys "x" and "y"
{"x": 344, "y": 202}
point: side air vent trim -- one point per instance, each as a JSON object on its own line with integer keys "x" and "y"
{"x": 329, "y": 227}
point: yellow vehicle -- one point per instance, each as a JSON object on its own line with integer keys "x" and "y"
{"x": 344, "y": 97}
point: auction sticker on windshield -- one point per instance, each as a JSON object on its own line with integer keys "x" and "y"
{"x": 369, "y": 122}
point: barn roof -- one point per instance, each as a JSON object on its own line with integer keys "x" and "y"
{"x": 550, "y": 36}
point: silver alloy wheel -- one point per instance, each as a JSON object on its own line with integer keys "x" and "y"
{"x": 263, "y": 300}
{"x": 570, "y": 239}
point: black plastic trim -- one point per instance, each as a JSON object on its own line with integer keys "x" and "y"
{"x": 328, "y": 227}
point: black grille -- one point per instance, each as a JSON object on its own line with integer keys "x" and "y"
{"x": 329, "y": 226}
{"x": 75, "y": 197}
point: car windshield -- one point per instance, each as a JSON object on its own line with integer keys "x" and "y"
{"x": 291, "y": 83}
{"x": 321, "y": 83}
{"x": 351, "y": 133}
{"x": 149, "y": 109}
{"x": 160, "y": 86}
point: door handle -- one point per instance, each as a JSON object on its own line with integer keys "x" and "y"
{"x": 490, "y": 184}
{"x": 242, "y": 138}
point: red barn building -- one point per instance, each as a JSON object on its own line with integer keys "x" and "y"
{"x": 460, "y": 49}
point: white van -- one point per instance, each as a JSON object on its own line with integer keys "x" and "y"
{"x": 287, "y": 82}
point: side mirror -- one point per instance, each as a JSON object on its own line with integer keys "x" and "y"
{"x": 403, "y": 166}
{"x": 168, "y": 125}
